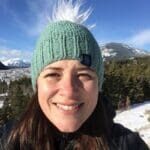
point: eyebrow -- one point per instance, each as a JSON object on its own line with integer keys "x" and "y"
{"x": 60, "y": 69}
{"x": 85, "y": 68}
{"x": 53, "y": 68}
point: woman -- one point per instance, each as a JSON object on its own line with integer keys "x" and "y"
{"x": 67, "y": 111}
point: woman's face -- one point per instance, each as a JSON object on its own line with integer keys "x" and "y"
{"x": 67, "y": 93}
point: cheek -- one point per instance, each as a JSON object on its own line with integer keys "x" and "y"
{"x": 92, "y": 90}
{"x": 45, "y": 91}
{"x": 91, "y": 87}
{"x": 46, "y": 94}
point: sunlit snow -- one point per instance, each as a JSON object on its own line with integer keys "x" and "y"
{"x": 136, "y": 119}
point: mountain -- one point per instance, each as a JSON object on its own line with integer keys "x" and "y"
{"x": 17, "y": 63}
{"x": 3, "y": 67}
{"x": 119, "y": 51}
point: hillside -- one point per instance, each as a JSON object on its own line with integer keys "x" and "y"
{"x": 3, "y": 67}
{"x": 127, "y": 79}
{"x": 120, "y": 51}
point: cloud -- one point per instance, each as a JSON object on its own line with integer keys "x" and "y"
{"x": 38, "y": 12}
{"x": 140, "y": 39}
{"x": 34, "y": 16}
{"x": 7, "y": 53}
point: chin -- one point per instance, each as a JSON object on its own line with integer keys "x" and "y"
{"x": 68, "y": 128}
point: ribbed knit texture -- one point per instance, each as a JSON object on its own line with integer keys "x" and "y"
{"x": 65, "y": 40}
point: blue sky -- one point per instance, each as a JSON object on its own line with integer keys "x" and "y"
{"x": 126, "y": 21}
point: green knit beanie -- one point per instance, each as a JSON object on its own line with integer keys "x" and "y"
{"x": 66, "y": 40}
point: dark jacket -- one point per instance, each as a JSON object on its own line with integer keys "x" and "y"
{"x": 121, "y": 138}
{"x": 124, "y": 139}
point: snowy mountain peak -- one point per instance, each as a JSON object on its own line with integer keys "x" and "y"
{"x": 120, "y": 51}
{"x": 16, "y": 62}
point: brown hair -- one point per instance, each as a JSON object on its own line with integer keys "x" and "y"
{"x": 34, "y": 130}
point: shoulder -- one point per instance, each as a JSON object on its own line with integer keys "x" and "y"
{"x": 125, "y": 139}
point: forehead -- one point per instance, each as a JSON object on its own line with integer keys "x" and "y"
{"x": 64, "y": 64}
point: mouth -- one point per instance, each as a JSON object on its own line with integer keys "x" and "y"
{"x": 72, "y": 107}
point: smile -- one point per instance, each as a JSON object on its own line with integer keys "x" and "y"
{"x": 68, "y": 107}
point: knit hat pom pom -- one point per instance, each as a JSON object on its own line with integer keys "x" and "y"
{"x": 67, "y": 10}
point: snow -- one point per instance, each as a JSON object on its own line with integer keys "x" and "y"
{"x": 16, "y": 62}
{"x": 1, "y": 104}
{"x": 120, "y": 50}
{"x": 14, "y": 74}
{"x": 126, "y": 46}
{"x": 136, "y": 119}
{"x": 138, "y": 51}
{"x": 108, "y": 52}
{"x": 3, "y": 94}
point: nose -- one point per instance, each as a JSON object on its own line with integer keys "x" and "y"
{"x": 69, "y": 86}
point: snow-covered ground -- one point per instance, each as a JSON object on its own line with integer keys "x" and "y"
{"x": 14, "y": 74}
{"x": 1, "y": 104}
{"x": 136, "y": 119}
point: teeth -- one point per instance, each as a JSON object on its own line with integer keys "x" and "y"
{"x": 66, "y": 107}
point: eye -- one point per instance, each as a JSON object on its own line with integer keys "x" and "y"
{"x": 52, "y": 75}
{"x": 84, "y": 76}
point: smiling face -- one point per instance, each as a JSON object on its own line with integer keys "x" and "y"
{"x": 67, "y": 94}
